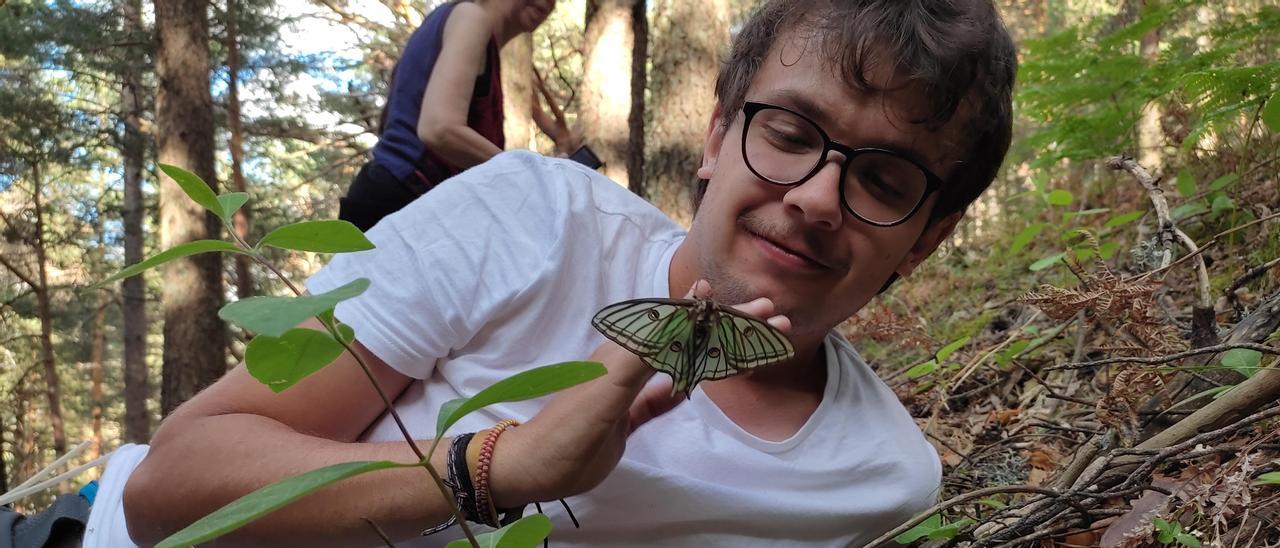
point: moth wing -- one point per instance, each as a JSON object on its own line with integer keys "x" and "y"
{"x": 644, "y": 326}
{"x": 674, "y": 361}
{"x": 748, "y": 342}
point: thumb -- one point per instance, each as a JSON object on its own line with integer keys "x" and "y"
{"x": 652, "y": 402}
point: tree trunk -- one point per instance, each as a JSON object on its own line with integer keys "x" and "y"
{"x": 244, "y": 278}
{"x": 53, "y": 388}
{"x": 517, "y": 90}
{"x": 639, "y": 79}
{"x": 688, "y": 38}
{"x": 606, "y": 84}
{"x": 194, "y": 336}
{"x": 1150, "y": 132}
{"x": 95, "y": 373}
{"x": 137, "y": 420}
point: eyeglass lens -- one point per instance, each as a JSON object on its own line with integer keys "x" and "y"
{"x": 785, "y": 148}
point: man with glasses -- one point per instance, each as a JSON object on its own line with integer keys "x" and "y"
{"x": 848, "y": 138}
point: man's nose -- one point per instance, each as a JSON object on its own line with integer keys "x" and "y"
{"x": 817, "y": 200}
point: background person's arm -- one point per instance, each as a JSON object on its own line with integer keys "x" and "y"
{"x": 442, "y": 122}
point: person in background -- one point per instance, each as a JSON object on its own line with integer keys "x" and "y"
{"x": 444, "y": 112}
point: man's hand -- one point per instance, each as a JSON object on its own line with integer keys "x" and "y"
{"x": 578, "y": 438}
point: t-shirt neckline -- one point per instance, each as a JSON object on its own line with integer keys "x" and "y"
{"x": 715, "y": 417}
{"x": 710, "y": 412}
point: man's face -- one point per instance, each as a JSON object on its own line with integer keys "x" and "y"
{"x": 797, "y": 245}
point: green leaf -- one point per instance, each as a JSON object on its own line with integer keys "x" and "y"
{"x": 1124, "y": 219}
{"x": 345, "y": 333}
{"x": 330, "y": 236}
{"x": 1012, "y": 352}
{"x": 1271, "y": 113}
{"x": 526, "y": 532}
{"x": 1108, "y": 248}
{"x": 176, "y": 252}
{"x": 1221, "y": 204}
{"x": 1060, "y": 198}
{"x": 259, "y": 503}
{"x": 951, "y": 348}
{"x": 1166, "y": 531}
{"x": 1187, "y": 210}
{"x": 1025, "y": 237}
{"x": 950, "y": 530}
{"x": 272, "y": 316}
{"x": 231, "y": 202}
{"x": 1047, "y": 262}
{"x": 1186, "y": 184}
{"x": 1220, "y": 391}
{"x": 280, "y": 362}
{"x": 1269, "y": 478}
{"x": 527, "y": 385}
{"x": 1188, "y": 540}
{"x": 1216, "y": 392}
{"x": 1244, "y": 361}
{"x": 992, "y": 502}
{"x": 920, "y": 531}
{"x": 195, "y": 188}
{"x": 922, "y": 369}
{"x": 1224, "y": 182}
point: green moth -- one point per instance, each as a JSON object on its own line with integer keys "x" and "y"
{"x": 692, "y": 340}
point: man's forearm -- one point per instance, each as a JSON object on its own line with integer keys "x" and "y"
{"x": 200, "y": 464}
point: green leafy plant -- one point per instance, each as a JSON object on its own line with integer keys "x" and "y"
{"x": 933, "y": 528}
{"x": 1172, "y": 533}
{"x": 282, "y": 354}
{"x": 1269, "y": 478}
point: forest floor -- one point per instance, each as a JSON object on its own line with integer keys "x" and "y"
{"x": 1070, "y": 406}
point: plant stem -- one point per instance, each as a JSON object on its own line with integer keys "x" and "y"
{"x": 423, "y": 459}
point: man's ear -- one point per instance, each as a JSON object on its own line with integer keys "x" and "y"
{"x": 929, "y": 240}
{"x": 711, "y": 145}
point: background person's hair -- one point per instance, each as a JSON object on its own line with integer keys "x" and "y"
{"x": 958, "y": 50}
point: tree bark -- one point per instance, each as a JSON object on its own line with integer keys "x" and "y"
{"x": 95, "y": 373}
{"x": 517, "y": 92}
{"x": 688, "y": 38}
{"x": 137, "y": 420}
{"x": 639, "y": 80}
{"x": 194, "y": 336}
{"x": 1150, "y": 132}
{"x": 53, "y": 388}
{"x": 243, "y": 217}
{"x": 605, "y": 92}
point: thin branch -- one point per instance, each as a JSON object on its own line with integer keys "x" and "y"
{"x": 35, "y": 286}
{"x": 1170, "y": 357}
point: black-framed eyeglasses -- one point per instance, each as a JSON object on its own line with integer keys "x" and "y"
{"x": 880, "y": 187}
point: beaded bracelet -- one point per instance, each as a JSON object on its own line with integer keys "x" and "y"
{"x": 484, "y": 460}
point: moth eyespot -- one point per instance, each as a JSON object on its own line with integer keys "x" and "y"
{"x": 713, "y": 353}
{"x": 676, "y": 346}
{"x": 652, "y": 315}
{"x": 749, "y": 332}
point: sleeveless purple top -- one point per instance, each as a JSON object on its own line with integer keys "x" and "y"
{"x": 399, "y": 148}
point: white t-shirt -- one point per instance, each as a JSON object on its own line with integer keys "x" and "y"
{"x": 501, "y": 269}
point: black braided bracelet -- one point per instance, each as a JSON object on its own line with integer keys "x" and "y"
{"x": 458, "y": 479}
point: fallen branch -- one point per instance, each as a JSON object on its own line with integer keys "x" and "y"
{"x": 1170, "y": 357}
{"x": 956, "y": 501}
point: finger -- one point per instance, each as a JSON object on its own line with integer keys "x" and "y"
{"x": 700, "y": 289}
{"x": 654, "y": 401}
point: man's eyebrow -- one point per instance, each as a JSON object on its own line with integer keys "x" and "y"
{"x": 799, "y": 102}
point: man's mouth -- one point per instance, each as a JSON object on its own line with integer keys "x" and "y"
{"x": 792, "y": 253}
